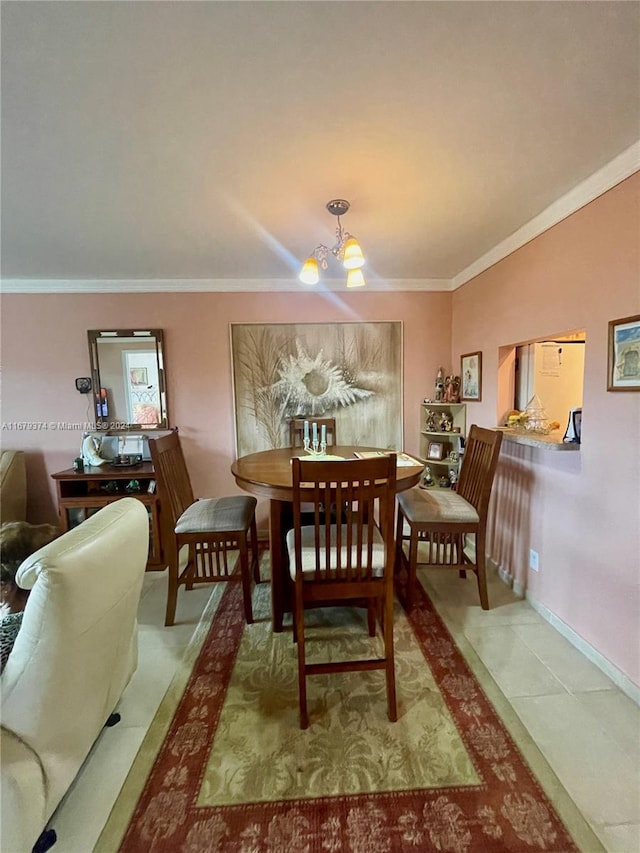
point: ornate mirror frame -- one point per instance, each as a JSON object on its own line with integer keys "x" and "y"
{"x": 129, "y": 381}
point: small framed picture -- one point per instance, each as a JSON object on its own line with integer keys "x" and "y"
{"x": 151, "y": 488}
{"x": 623, "y": 368}
{"x": 435, "y": 450}
{"x": 471, "y": 376}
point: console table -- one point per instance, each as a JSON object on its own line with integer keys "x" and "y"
{"x": 80, "y": 493}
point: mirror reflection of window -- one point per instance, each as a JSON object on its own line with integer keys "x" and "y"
{"x": 140, "y": 369}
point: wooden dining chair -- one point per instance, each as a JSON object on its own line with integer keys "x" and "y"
{"x": 211, "y": 528}
{"x": 441, "y": 520}
{"x": 296, "y": 429}
{"x": 347, "y": 563}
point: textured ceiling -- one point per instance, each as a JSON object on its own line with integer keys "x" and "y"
{"x": 179, "y": 140}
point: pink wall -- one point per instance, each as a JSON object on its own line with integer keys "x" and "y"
{"x": 580, "y": 511}
{"x": 44, "y": 348}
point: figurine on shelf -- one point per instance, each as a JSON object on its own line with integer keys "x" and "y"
{"x": 439, "y": 386}
{"x": 443, "y": 482}
{"x": 431, "y": 420}
{"x": 453, "y": 478}
{"x": 91, "y": 447}
{"x": 452, "y": 389}
{"x": 446, "y": 422}
{"x": 427, "y": 479}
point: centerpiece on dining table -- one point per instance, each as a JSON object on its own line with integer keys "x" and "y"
{"x": 311, "y": 445}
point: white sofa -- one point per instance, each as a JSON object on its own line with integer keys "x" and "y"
{"x": 74, "y": 655}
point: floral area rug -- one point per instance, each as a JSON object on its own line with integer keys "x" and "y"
{"x": 226, "y": 767}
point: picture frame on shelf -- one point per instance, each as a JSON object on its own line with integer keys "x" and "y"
{"x": 471, "y": 376}
{"x": 435, "y": 450}
{"x": 623, "y": 360}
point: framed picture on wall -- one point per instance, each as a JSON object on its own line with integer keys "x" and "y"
{"x": 623, "y": 363}
{"x": 471, "y": 376}
{"x": 348, "y": 371}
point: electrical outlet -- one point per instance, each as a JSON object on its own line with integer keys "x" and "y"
{"x": 534, "y": 560}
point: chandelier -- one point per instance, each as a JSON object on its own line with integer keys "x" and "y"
{"x": 345, "y": 249}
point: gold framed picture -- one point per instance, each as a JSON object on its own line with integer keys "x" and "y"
{"x": 471, "y": 376}
{"x": 623, "y": 362}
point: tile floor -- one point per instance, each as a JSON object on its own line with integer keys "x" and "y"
{"x": 587, "y": 729}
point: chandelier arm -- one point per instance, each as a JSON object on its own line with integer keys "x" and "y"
{"x": 320, "y": 254}
{"x": 341, "y": 236}
{"x": 337, "y": 207}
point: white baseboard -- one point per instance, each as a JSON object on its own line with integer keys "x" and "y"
{"x": 592, "y": 654}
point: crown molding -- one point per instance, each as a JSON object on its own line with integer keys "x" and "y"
{"x": 617, "y": 170}
{"x": 220, "y": 285}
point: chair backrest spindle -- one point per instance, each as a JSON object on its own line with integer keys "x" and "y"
{"x": 481, "y": 453}
{"x": 174, "y": 483}
{"x": 346, "y": 496}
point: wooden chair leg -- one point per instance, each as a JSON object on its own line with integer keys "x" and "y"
{"x": 392, "y": 708}
{"x": 254, "y": 550}
{"x": 245, "y": 572}
{"x": 481, "y": 573}
{"x": 412, "y": 565}
{"x": 172, "y": 589}
{"x": 302, "y": 678}
{"x": 397, "y": 564}
{"x": 371, "y": 616}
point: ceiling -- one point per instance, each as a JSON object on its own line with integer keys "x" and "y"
{"x": 201, "y": 141}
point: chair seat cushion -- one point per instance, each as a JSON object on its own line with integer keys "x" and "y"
{"x": 309, "y": 551}
{"x": 218, "y": 515}
{"x": 436, "y": 506}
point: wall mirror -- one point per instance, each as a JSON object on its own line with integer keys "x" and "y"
{"x": 128, "y": 376}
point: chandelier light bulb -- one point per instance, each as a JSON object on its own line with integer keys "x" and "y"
{"x": 353, "y": 257}
{"x": 309, "y": 273}
{"x": 355, "y": 278}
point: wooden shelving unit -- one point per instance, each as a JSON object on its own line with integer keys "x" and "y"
{"x": 82, "y": 493}
{"x": 435, "y": 420}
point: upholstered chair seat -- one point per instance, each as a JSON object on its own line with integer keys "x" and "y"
{"x": 217, "y": 515}
{"x": 441, "y": 505}
{"x": 310, "y": 553}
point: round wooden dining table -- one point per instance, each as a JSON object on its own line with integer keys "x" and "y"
{"x": 267, "y": 474}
